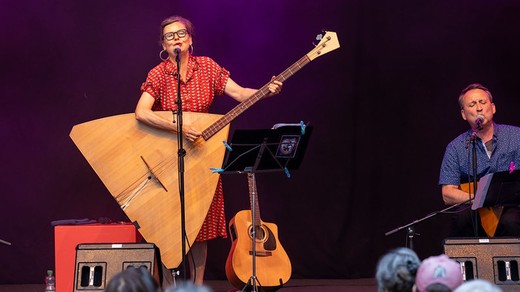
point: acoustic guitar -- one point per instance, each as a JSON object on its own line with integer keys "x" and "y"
{"x": 489, "y": 216}
{"x": 139, "y": 164}
{"x": 272, "y": 265}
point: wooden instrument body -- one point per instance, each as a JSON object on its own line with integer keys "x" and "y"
{"x": 273, "y": 267}
{"x": 489, "y": 216}
{"x": 119, "y": 148}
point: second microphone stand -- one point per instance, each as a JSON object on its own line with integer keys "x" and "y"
{"x": 410, "y": 227}
{"x": 473, "y": 138}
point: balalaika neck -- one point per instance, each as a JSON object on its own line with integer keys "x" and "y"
{"x": 261, "y": 93}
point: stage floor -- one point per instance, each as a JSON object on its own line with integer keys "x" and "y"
{"x": 310, "y": 285}
{"x": 294, "y": 285}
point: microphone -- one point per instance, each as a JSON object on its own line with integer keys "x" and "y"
{"x": 479, "y": 121}
{"x": 177, "y": 50}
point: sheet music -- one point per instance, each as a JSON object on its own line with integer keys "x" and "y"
{"x": 482, "y": 190}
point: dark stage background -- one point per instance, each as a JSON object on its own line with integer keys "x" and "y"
{"x": 383, "y": 108}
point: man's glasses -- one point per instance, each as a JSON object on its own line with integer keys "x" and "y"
{"x": 171, "y": 35}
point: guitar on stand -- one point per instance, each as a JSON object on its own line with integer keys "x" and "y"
{"x": 257, "y": 259}
{"x": 255, "y": 243}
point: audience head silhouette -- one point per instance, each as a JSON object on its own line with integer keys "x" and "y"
{"x": 478, "y": 285}
{"x": 188, "y": 287}
{"x": 396, "y": 270}
{"x": 133, "y": 280}
{"x": 438, "y": 273}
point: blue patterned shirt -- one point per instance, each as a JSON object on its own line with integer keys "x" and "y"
{"x": 456, "y": 162}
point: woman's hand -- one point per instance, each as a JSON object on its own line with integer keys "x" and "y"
{"x": 191, "y": 134}
{"x": 275, "y": 86}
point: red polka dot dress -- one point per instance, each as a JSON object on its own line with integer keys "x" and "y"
{"x": 205, "y": 79}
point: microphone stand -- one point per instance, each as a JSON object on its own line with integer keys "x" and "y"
{"x": 181, "y": 153}
{"x": 410, "y": 227}
{"x": 474, "y": 163}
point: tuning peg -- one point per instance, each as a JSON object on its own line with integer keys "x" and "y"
{"x": 319, "y": 37}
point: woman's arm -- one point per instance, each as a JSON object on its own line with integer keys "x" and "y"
{"x": 240, "y": 93}
{"x": 144, "y": 113}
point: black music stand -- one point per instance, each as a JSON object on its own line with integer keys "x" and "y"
{"x": 265, "y": 150}
{"x": 498, "y": 189}
{"x": 285, "y": 143}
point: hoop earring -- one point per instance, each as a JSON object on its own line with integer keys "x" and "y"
{"x": 191, "y": 49}
{"x": 160, "y": 55}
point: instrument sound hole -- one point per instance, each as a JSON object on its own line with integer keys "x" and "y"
{"x": 260, "y": 233}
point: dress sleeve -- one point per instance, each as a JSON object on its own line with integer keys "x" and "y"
{"x": 153, "y": 82}
{"x": 219, "y": 76}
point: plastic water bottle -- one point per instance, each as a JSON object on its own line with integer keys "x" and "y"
{"x": 50, "y": 282}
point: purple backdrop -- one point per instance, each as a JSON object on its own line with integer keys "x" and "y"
{"x": 383, "y": 107}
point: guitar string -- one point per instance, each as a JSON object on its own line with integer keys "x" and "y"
{"x": 129, "y": 200}
{"x": 135, "y": 187}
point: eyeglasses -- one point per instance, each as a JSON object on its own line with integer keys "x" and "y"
{"x": 171, "y": 35}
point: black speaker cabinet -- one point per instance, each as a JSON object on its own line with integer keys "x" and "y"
{"x": 96, "y": 264}
{"x": 492, "y": 259}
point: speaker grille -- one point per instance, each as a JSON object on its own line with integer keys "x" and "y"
{"x": 492, "y": 259}
{"x": 96, "y": 264}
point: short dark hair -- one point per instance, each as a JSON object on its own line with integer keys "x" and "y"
{"x": 471, "y": 87}
{"x": 176, "y": 18}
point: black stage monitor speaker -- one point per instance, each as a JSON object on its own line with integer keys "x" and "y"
{"x": 492, "y": 259}
{"x": 96, "y": 264}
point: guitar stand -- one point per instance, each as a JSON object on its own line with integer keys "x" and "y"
{"x": 253, "y": 284}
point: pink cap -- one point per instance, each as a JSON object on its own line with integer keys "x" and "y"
{"x": 438, "y": 269}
